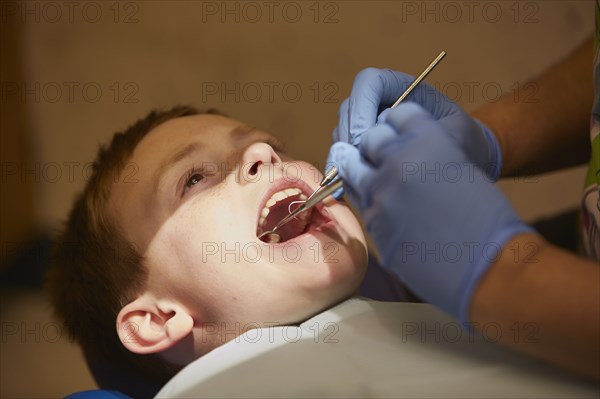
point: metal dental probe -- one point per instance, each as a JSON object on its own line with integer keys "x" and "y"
{"x": 314, "y": 199}
{"x": 326, "y": 187}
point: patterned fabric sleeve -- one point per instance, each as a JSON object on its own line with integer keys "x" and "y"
{"x": 591, "y": 195}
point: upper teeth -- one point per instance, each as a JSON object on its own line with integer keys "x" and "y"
{"x": 275, "y": 198}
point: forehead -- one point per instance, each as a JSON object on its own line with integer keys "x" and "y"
{"x": 212, "y": 130}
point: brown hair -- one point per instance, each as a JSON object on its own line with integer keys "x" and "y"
{"x": 95, "y": 270}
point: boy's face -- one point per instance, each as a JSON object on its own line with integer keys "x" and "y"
{"x": 191, "y": 199}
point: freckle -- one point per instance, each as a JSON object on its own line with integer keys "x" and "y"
{"x": 235, "y": 299}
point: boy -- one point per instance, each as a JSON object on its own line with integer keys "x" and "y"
{"x": 160, "y": 258}
{"x": 160, "y": 263}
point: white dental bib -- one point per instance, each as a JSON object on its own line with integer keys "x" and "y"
{"x": 363, "y": 348}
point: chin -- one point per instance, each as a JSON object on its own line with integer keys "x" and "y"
{"x": 330, "y": 297}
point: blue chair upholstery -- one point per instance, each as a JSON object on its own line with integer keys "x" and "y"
{"x": 98, "y": 394}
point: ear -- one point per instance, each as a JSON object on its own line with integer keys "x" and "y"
{"x": 148, "y": 325}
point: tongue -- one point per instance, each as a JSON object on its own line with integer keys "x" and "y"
{"x": 292, "y": 229}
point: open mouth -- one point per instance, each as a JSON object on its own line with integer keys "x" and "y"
{"x": 278, "y": 206}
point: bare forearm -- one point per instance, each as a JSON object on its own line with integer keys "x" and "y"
{"x": 549, "y": 301}
{"x": 550, "y": 128}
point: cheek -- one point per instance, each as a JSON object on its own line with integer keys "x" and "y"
{"x": 184, "y": 260}
{"x": 210, "y": 235}
{"x": 348, "y": 222}
{"x": 175, "y": 250}
{"x": 214, "y": 216}
{"x": 353, "y": 235}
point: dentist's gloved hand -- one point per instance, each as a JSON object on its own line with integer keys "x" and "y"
{"x": 375, "y": 90}
{"x": 436, "y": 218}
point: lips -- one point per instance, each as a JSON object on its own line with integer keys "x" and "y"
{"x": 276, "y": 205}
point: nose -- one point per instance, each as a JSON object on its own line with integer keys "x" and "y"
{"x": 255, "y": 158}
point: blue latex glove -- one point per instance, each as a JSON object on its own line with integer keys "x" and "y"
{"x": 435, "y": 217}
{"x": 374, "y": 90}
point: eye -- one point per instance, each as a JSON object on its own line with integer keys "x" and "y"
{"x": 193, "y": 177}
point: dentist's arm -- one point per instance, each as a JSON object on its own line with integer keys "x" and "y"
{"x": 546, "y": 302}
{"x": 544, "y": 125}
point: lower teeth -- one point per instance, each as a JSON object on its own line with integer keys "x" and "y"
{"x": 273, "y": 238}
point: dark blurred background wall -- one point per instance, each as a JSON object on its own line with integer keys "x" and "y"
{"x": 75, "y": 72}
